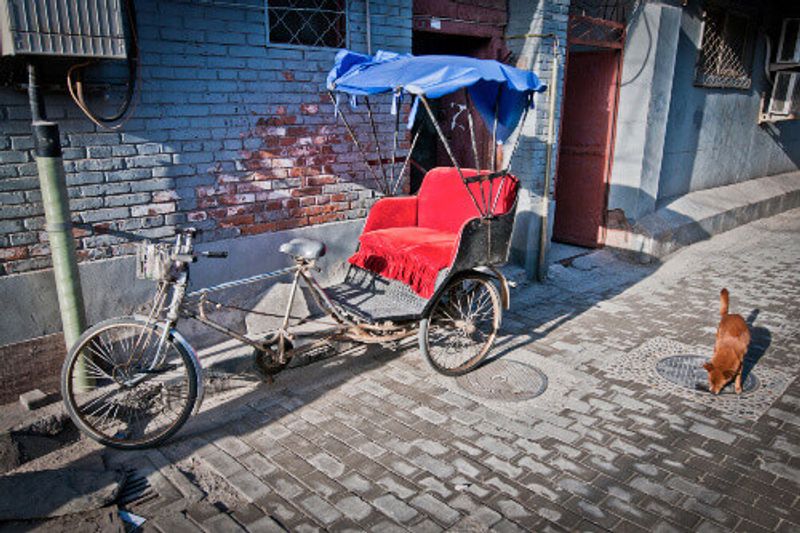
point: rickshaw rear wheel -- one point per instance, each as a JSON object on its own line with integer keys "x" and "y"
{"x": 462, "y": 324}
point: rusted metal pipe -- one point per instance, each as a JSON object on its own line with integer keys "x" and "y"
{"x": 541, "y": 263}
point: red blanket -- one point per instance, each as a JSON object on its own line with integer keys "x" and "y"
{"x": 412, "y": 255}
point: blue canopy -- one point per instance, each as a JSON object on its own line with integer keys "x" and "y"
{"x": 490, "y": 83}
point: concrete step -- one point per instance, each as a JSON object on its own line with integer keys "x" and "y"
{"x": 699, "y": 215}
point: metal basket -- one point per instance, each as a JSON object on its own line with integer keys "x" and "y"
{"x": 153, "y": 261}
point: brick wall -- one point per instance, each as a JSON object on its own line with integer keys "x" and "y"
{"x": 228, "y": 134}
{"x": 536, "y": 53}
{"x": 528, "y": 164}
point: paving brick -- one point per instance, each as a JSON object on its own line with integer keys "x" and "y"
{"x": 712, "y": 433}
{"x": 267, "y": 524}
{"x": 436, "y": 509}
{"x": 430, "y": 415}
{"x": 221, "y": 522}
{"x": 498, "y": 465}
{"x": 222, "y": 463}
{"x": 656, "y": 490}
{"x": 320, "y": 510}
{"x": 695, "y": 490}
{"x": 354, "y": 508}
{"x": 327, "y": 464}
{"x": 435, "y": 466}
{"x": 561, "y": 434}
{"x": 394, "y": 508}
{"x": 719, "y": 516}
{"x": 397, "y": 486}
{"x": 496, "y": 447}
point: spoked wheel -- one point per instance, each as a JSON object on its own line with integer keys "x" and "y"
{"x": 462, "y": 325}
{"x": 128, "y": 386}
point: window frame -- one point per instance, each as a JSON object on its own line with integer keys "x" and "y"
{"x": 292, "y": 46}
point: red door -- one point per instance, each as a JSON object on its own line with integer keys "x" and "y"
{"x": 587, "y": 130}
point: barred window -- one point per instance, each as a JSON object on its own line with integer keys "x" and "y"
{"x": 307, "y": 22}
{"x": 726, "y": 53}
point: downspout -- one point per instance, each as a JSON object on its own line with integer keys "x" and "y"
{"x": 53, "y": 185}
{"x": 541, "y": 262}
{"x": 541, "y": 266}
{"x": 369, "y": 27}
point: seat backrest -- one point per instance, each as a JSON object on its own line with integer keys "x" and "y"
{"x": 444, "y": 204}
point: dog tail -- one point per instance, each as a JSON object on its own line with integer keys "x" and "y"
{"x": 723, "y": 302}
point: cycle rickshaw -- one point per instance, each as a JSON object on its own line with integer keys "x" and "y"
{"x": 425, "y": 264}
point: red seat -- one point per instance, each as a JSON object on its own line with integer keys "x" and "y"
{"x": 412, "y": 238}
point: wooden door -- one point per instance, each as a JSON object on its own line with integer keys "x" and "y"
{"x": 587, "y": 130}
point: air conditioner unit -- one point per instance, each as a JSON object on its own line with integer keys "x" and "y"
{"x": 785, "y": 100}
{"x": 62, "y": 28}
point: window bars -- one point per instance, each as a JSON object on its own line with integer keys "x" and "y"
{"x": 321, "y": 23}
{"x": 610, "y": 10}
{"x": 725, "y": 58}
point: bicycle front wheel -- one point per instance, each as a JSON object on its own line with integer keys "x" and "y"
{"x": 128, "y": 385}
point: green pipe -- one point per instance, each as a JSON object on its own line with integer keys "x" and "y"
{"x": 53, "y": 184}
{"x": 62, "y": 246}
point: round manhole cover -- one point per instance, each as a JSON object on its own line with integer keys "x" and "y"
{"x": 507, "y": 381}
{"x": 687, "y": 371}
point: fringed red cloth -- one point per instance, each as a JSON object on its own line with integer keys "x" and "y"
{"x": 410, "y": 254}
{"x": 411, "y": 239}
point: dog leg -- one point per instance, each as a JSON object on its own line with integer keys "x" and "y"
{"x": 738, "y": 384}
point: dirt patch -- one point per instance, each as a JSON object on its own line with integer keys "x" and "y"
{"x": 32, "y": 446}
{"x": 105, "y": 520}
{"x": 218, "y": 492}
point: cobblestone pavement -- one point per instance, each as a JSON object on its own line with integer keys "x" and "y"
{"x": 377, "y": 441}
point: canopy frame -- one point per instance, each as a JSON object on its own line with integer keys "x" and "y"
{"x": 391, "y": 181}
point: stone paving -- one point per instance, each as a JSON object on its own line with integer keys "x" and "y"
{"x": 375, "y": 440}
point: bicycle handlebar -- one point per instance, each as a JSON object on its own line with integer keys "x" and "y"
{"x": 215, "y": 254}
{"x": 192, "y": 258}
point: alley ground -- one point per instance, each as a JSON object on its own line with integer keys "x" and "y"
{"x": 378, "y": 441}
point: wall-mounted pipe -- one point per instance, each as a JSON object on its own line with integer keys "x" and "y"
{"x": 53, "y": 185}
{"x": 369, "y": 27}
{"x": 541, "y": 261}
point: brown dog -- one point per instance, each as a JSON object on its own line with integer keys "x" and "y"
{"x": 733, "y": 337}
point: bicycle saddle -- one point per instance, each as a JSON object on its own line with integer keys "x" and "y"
{"x": 303, "y": 248}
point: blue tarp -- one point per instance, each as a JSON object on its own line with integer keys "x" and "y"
{"x": 490, "y": 83}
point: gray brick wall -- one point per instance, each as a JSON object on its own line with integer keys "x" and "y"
{"x": 536, "y": 53}
{"x": 528, "y": 164}
{"x": 228, "y": 134}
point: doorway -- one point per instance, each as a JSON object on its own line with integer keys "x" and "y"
{"x": 451, "y": 111}
{"x": 586, "y": 147}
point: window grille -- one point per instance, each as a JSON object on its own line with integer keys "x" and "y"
{"x": 307, "y": 22}
{"x": 726, "y": 53}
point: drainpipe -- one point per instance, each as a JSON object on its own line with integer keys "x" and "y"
{"x": 369, "y": 28}
{"x": 541, "y": 266}
{"x": 52, "y": 182}
{"x": 541, "y": 262}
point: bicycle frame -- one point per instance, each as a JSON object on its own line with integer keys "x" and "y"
{"x": 192, "y": 305}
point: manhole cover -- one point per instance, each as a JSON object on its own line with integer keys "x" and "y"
{"x": 687, "y": 371}
{"x": 507, "y": 381}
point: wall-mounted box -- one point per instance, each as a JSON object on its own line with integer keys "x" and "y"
{"x": 62, "y": 28}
